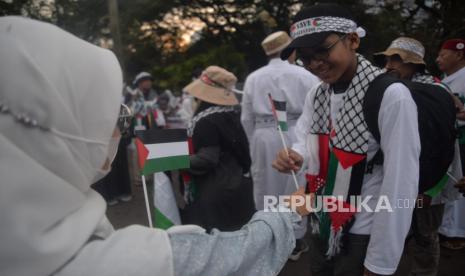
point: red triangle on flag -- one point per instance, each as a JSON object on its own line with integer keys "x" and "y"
{"x": 348, "y": 159}
{"x": 341, "y": 217}
{"x": 332, "y": 134}
{"x": 142, "y": 153}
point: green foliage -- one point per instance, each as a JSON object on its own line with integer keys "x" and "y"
{"x": 233, "y": 29}
{"x": 179, "y": 74}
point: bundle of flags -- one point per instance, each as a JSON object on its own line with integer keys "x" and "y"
{"x": 163, "y": 150}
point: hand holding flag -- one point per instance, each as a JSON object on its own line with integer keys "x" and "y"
{"x": 279, "y": 114}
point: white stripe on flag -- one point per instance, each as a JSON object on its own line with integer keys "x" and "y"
{"x": 282, "y": 117}
{"x": 167, "y": 149}
{"x": 342, "y": 181}
{"x": 164, "y": 199}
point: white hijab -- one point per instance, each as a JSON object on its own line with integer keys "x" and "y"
{"x": 71, "y": 91}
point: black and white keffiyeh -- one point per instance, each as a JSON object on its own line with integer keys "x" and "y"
{"x": 350, "y": 133}
{"x": 205, "y": 113}
{"x": 325, "y": 24}
{"x": 423, "y": 78}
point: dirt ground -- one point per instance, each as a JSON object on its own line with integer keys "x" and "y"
{"x": 452, "y": 263}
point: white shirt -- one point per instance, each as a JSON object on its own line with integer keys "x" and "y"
{"x": 397, "y": 179}
{"x": 456, "y": 83}
{"x": 284, "y": 81}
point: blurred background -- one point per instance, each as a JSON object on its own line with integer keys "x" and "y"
{"x": 175, "y": 39}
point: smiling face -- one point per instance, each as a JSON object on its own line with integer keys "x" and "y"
{"x": 334, "y": 60}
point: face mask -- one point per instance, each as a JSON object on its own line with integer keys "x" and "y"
{"x": 112, "y": 151}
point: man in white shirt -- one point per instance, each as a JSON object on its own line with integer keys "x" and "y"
{"x": 335, "y": 144}
{"x": 451, "y": 61}
{"x": 287, "y": 83}
{"x": 284, "y": 82}
{"x": 404, "y": 58}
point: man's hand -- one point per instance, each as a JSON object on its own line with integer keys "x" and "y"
{"x": 285, "y": 163}
{"x": 461, "y": 186}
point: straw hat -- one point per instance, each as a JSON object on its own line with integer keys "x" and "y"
{"x": 410, "y": 51}
{"x": 215, "y": 85}
{"x": 276, "y": 42}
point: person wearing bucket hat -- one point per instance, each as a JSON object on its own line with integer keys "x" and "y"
{"x": 287, "y": 83}
{"x": 404, "y": 58}
{"x": 223, "y": 198}
{"x": 335, "y": 144}
{"x": 451, "y": 61}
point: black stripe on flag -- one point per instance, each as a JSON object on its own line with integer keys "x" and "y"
{"x": 281, "y": 106}
{"x": 157, "y": 136}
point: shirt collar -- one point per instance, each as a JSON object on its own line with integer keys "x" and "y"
{"x": 452, "y": 77}
{"x": 277, "y": 61}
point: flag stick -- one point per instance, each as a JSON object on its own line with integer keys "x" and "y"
{"x": 287, "y": 152}
{"x": 282, "y": 139}
{"x": 149, "y": 214}
{"x": 452, "y": 177}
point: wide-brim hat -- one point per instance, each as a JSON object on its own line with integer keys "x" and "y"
{"x": 311, "y": 26}
{"x": 410, "y": 51}
{"x": 215, "y": 85}
{"x": 275, "y": 42}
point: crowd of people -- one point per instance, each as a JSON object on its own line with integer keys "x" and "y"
{"x": 353, "y": 129}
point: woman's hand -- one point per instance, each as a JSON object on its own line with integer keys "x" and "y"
{"x": 300, "y": 202}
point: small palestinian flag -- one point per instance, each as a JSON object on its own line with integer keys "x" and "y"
{"x": 162, "y": 150}
{"x": 279, "y": 112}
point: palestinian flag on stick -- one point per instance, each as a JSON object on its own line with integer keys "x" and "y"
{"x": 162, "y": 150}
{"x": 279, "y": 112}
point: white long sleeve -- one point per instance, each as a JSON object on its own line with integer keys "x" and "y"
{"x": 303, "y": 124}
{"x": 261, "y": 247}
{"x": 247, "y": 114}
{"x": 400, "y": 143}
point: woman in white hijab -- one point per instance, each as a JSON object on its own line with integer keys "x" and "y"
{"x": 59, "y": 103}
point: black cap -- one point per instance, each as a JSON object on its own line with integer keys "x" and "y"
{"x": 315, "y": 39}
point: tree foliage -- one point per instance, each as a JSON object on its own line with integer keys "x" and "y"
{"x": 155, "y": 34}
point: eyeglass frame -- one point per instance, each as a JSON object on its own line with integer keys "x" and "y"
{"x": 326, "y": 51}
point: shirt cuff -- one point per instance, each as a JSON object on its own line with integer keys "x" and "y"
{"x": 379, "y": 270}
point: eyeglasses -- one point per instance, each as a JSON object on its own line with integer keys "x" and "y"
{"x": 124, "y": 119}
{"x": 320, "y": 54}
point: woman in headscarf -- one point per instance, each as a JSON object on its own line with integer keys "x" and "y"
{"x": 222, "y": 197}
{"x": 59, "y": 104}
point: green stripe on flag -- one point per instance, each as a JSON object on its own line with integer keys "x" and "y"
{"x": 166, "y": 164}
{"x": 436, "y": 189}
{"x": 161, "y": 221}
{"x": 325, "y": 222}
{"x": 283, "y": 126}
